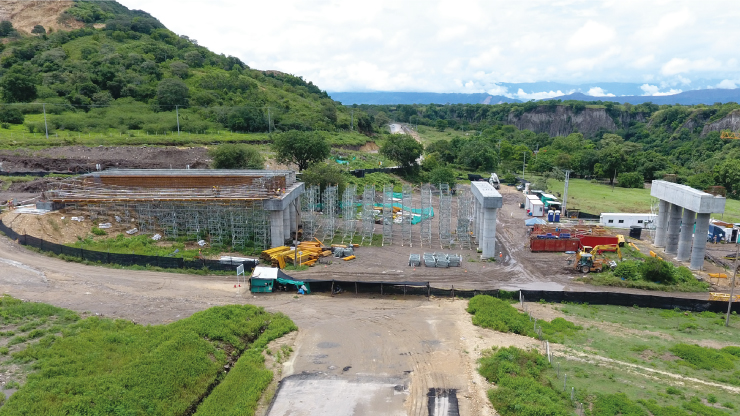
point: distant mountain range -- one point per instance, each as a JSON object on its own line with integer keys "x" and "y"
{"x": 383, "y": 97}
{"x": 704, "y": 96}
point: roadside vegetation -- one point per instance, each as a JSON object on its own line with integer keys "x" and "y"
{"x": 621, "y": 361}
{"x": 103, "y": 366}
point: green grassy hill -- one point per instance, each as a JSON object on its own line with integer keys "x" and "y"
{"x": 125, "y": 72}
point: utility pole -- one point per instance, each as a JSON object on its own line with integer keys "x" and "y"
{"x": 177, "y": 113}
{"x": 269, "y": 122}
{"x": 524, "y": 163}
{"x": 352, "y": 120}
{"x": 565, "y": 192}
{"x": 732, "y": 289}
{"x": 45, "y": 126}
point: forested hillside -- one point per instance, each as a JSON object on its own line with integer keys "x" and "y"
{"x": 124, "y": 70}
{"x": 632, "y": 143}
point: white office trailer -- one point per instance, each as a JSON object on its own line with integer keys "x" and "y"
{"x": 528, "y": 202}
{"x": 622, "y": 220}
{"x": 538, "y": 208}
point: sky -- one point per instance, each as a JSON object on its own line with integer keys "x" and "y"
{"x": 471, "y": 46}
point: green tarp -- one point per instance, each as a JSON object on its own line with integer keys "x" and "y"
{"x": 294, "y": 282}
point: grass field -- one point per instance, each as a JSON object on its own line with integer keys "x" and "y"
{"x": 596, "y": 198}
{"x": 633, "y": 360}
{"x": 430, "y": 134}
{"x": 102, "y": 366}
{"x": 18, "y": 136}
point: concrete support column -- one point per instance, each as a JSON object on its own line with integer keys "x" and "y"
{"x": 286, "y": 222}
{"x": 475, "y": 219}
{"x": 479, "y": 225}
{"x": 488, "y": 245}
{"x": 291, "y": 207}
{"x": 684, "y": 239}
{"x": 276, "y": 229}
{"x": 674, "y": 228}
{"x": 700, "y": 241}
{"x": 661, "y": 223}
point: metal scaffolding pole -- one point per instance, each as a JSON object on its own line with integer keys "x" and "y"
{"x": 329, "y": 207}
{"x": 349, "y": 213}
{"x": 308, "y": 212}
{"x": 368, "y": 219}
{"x": 445, "y": 215}
{"x": 426, "y": 215}
{"x": 387, "y": 215}
{"x": 464, "y": 216}
{"x": 406, "y": 215}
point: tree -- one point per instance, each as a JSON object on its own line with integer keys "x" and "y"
{"x": 172, "y": 92}
{"x": 443, "y": 175}
{"x": 701, "y": 181}
{"x": 402, "y": 149}
{"x": 323, "y": 175}
{"x": 179, "y": 69}
{"x": 11, "y": 115}
{"x": 245, "y": 119}
{"x": 17, "y": 88}
{"x": 477, "y": 155}
{"x": 6, "y": 28}
{"x": 631, "y": 180}
{"x": 727, "y": 174}
{"x": 234, "y": 156}
{"x": 302, "y": 148}
{"x": 441, "y": 125}
{"x": 381, "y": 120}
{"x": 38, "y": 30}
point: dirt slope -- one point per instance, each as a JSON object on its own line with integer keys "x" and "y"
{"x": 25, "y": 14}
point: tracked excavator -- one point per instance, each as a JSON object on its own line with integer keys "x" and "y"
{"x": 586, "y": 260}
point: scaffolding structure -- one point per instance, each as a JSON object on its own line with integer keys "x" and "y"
{"x": 329, "y": 211}
{"x": 464, "y": 217}
{"x": 349, "y": 213}
{"x": 368, "y": 214}
{"x": 445, "y": 215}
{"x": 426, "y": 217}
{"x": 223, "y": 207}
{"x": 406, "y": 215}
{"x": 309, "y": 203}
{"x": 387, "y": 215}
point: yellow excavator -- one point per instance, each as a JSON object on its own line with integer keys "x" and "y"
{"x": 586, "y": 260}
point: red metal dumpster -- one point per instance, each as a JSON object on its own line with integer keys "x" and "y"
{"x": 554, "y": 244}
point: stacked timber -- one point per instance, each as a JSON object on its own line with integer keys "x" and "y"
{"x": 308, "y": 253}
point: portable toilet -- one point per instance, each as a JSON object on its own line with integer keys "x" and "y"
{"x": 557, "y": 215}
{"x": 550, "y": 216}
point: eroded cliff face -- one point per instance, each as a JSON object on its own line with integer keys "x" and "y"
{"x": 728, "y": 122}
{"x": 562, "y": 120}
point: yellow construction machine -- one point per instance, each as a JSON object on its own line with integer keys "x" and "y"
{"x": 586, "y": 260}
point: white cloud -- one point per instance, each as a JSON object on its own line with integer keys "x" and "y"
{"x": 499, "y": 90}
{"x": 654, "y": 90}
{"x": 540, "y": 95}
{"x": 728, "y": 84}
{"x": 426, "y": 46}
{"x": 591, "y": 34}
{"x": 598, "y": 92}
{"x": 679, "y": 65}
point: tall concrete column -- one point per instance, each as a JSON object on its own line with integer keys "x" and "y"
{"x": 479, "y": 225}
{"x": 286, "y": 222}
{"x": 662, "y": 223}
{"x": 475, "y": 219}
{"x": 291, "y": 207}
{"x": 276, "y": 229}
{"x": 684, "y": 239}
{"x": 700, "y": 241}
{"x": 674, "y": 228}
{"x": 488, "y": 247}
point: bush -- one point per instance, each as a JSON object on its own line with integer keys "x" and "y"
{"x": 657, "y": 270}
{"x": 323, "y": 175}
{"x": 443, "y": 175}
{"x": 508, "y": 178}
{"x": 703, "y": 357}
{"x": 732, "y": 351}
{"x": 617, "y": 405}
{"x": 236, "y": 156}
{"x": 98, "y": 231}
{"x": 630, "y": 180}
{"x": 628, "y": 270}
{"x": 11, "y": 115}
{"x": 522, "y": 389}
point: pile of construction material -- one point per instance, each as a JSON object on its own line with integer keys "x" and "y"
{"x": 441, "y": 260}
{"x": 309, "y": 252}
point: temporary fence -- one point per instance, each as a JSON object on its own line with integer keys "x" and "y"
{"x": 125, "y": 259}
